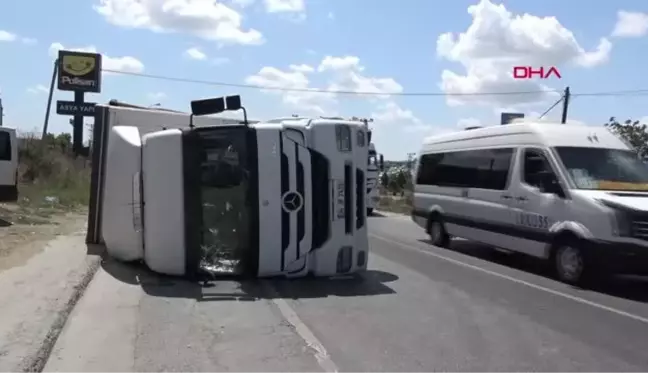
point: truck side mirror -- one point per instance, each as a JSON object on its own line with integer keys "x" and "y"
{"x": 381, "y": 163}
{"x": 233, "y": 103}
{"x": 208, "y": 106}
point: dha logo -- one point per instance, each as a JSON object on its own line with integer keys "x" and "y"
{"x": 529, "y": 72}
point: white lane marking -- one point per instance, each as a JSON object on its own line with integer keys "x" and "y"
{"x": 513, "y": 279}
{"x": 321, "y": 355}
{"x": 393, "y": 215}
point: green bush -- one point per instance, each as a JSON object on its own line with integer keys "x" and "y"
{"x": 49, "y": 175}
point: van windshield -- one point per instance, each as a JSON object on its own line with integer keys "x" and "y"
{"x": 604, "y": 169}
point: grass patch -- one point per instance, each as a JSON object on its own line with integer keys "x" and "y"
{"x": 397, "y": 204}
{"x": 50, "y": 180}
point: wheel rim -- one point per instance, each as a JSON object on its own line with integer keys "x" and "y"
{"x": 570, "y": 263}
{"x": 435, "y": 232}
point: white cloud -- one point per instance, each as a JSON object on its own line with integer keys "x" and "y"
{"x": 284, "y": 6}
{"x": 7, "y": 36}
{"x": 468, "y": 122}
{"x": 242, "y": 3}
{"x": 348, "y": 77}
{"x": 344, "y": 74}
{"x": 302, "y": 68}
{"x": 124, "y": 64}
{"x": 156, "y": 96}
{"x": 498, "y": 40}
{"x": 340, "y": 63}
{"x": 206, "y": 19}
{"x": 630, "y": 24}
{"x": 196, "y": 54}
{"x": 38, "y": 89}
{"x": 391, "y": 114}
{"x": 313, "y": 102}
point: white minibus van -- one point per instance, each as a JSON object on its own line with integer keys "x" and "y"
{"x": 576, "y": 196}
{"x": 8, "y": 165}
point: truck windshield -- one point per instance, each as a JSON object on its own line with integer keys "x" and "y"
{"x": 604, "y": 169}
{"x": 224, "y": 185}
{"x": 372, "y": 159}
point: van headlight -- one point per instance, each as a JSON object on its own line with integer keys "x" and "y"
{"x": 621, "y": 218}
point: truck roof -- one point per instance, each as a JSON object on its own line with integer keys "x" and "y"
{"x": 222, "y": 120}
{"x": 537, "y": 133}
{"x": 303, "y": 121}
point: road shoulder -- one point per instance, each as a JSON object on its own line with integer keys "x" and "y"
{"x": 132, "y": 320}
{"x": 37, "y": 298}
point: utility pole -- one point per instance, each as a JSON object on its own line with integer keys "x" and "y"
{"x": 410, "y": 158}
{"x": 49, "y": 98}
{"x": 565, "y": 105}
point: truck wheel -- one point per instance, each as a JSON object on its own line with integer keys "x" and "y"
{"x": 438, "y": 235}
{"x": 369, "y": 211}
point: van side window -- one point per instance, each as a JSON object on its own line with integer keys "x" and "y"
{"x": 5, "y": 146}
{"x": 534, "y": 164}
{"x": 483, "y": 168}
{"x": 499, "y": 164}
{"x": 426, "y": 168}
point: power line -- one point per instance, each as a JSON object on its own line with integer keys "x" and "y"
{"x": 551, "y": 107}
{"x": 636, "y": 92}
{"x": 633, "y": 92}
{"x": 316, "y": 90}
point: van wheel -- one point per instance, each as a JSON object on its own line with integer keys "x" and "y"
{"x": 369, "y": 211}
{"x": 438, "y": 235}
{"x": 571, "y": 265}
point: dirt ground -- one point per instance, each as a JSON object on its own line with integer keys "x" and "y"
{"x": 24, "y": 231}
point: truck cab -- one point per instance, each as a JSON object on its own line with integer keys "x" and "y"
{"x": 374, "y": 167}
{"x": 282, "y": 198}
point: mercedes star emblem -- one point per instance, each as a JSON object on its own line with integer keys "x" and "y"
{"x": 292, "y": 201}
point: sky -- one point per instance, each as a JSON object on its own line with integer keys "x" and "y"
{"x": 416, "y": 67}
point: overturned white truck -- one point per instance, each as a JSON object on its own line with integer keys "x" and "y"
{"x": 187, "y": 194}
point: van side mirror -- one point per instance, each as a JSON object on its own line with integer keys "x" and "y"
{"x": 550, "y": 183}
{"x": 381, "y": 163}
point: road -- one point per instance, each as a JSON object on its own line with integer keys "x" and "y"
{"x": 419, "y": 308}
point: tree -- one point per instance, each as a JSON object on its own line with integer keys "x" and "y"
{"x": 384, "y": 179}
{"x": 635, "y": 133}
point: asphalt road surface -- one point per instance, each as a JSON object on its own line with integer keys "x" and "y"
{"x": 419, "y": 308}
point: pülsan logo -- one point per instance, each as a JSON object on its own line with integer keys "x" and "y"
{"x": 78, "y": 65}
{"x": 79, "y": 71}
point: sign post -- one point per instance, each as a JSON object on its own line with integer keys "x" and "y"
{"x": 79, "y": 72}
{"x": 85, "y": 109}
